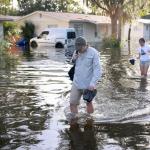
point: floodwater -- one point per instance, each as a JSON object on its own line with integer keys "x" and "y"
{"x": 35, "y": 98}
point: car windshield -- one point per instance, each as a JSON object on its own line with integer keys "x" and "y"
{"x": 43, "y": 34}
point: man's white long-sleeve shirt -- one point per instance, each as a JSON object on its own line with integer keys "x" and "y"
{"x": 88, "y": 69}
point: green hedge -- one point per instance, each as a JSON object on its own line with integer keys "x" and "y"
{"x": 111, "y": 42}
{"x": 10, "y": 28}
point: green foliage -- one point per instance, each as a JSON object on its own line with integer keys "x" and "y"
{"x": 28, "y": 30}
{"x": 29, "y": 6}
{"x": 111, "y": 42}
{"x": 4, "y": 6}
{"x": 10, "y": 28}
{"x": 7, "y": 59}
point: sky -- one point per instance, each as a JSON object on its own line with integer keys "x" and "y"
{"x": 15, "y": 4}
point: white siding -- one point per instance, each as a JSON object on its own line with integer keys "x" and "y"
{"x": 92, "y": 32}
{"x": 79, "y": 28}
{"x": 104, "y": 30}
{"x": 89, "y": 32}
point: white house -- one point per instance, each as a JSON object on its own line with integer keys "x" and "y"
{"x": 93, "y": 28}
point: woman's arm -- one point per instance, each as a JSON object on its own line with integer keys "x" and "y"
{"x": 138, "y": 56}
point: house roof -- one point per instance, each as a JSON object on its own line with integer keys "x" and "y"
{"x": 69, "y": 17}
{"x": 8, "y": 18}
{"x": 145, "y": 21}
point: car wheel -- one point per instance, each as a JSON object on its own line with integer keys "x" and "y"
{"x": 34, "y": 44}
{"x": 59, "y": 45}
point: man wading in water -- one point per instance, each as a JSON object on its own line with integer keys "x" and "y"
{"x": 87, "y": 74}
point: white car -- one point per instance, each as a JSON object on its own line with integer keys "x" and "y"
{"x": 57, "y": 37}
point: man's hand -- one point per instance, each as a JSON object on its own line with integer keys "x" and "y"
{"x": 74, "y": 58}
{"x": 91, "y": 88}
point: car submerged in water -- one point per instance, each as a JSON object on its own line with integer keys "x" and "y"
{"x": 56, "y": 37}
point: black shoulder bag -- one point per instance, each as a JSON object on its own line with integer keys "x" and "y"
{"x": 72, "y": 70}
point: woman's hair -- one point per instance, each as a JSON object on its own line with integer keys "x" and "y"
{"x": 142, "y": 40}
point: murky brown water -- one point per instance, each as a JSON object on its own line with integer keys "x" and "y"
{"x": 34, "y": 97}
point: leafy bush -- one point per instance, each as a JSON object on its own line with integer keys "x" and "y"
{"x": 7, "y": 59}
{"x": 28, "y": 30}
{"x": 111, "y": 42}
{"x": 10, "y": 28}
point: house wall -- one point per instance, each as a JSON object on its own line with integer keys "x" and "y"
{"x": 104, "y": 30}
{"x": 92, "y": 32}
{"x": 1, "y": 31}
{"x": 137, "y": 31}
{"x": 79, "y": 27}
{"x": 43, "y": 21}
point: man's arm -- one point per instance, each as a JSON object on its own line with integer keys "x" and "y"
{"x": 97, "y": 71}
{"x": 74, "y": 57}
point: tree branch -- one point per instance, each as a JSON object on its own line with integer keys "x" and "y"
{"x": 99, "y": 5}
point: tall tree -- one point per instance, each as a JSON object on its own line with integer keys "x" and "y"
{"x": 111, "y": 8}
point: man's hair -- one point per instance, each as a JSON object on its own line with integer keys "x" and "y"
{"x": 142, "y": 40}
{"x": 80, "y": 41}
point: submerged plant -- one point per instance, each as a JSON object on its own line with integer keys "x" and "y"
{"x": 7, "y": 59}
{"x": 111, "y": 42}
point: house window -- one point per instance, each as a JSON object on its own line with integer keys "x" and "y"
{"x": 78, "y": 29}
{"x": 52, "y": 26}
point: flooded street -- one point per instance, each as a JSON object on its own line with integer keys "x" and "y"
{"x": 35, "y": 98}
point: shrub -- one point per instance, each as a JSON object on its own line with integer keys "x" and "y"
{"x": 7, "y": 59}
{"x": 111, "y": 42}
{"x": 10, "y": 28}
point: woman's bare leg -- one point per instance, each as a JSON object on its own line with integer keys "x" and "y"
{"x": 142, "y": 69}
{"x": 146, "y": 67}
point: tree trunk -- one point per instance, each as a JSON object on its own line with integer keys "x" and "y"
{"x": 114, "y": 26}
{"x": 129, "y": 39}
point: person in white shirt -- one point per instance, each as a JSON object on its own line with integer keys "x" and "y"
{"x": 144, "y": 51}
{"x": 87, "y": 73}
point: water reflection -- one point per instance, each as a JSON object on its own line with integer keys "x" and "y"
{"x": 143, "y": 84}
{"x": 33, "y": 99}
{"x": 82, "y": 138}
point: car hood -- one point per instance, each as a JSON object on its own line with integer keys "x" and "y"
{"x": 33, "y": 39}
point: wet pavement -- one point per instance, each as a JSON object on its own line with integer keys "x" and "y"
{"x": 35, "y": 97}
